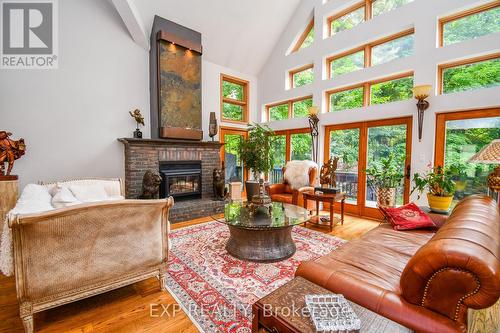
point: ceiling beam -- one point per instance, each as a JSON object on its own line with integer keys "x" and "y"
{"x": 132, "y": 20}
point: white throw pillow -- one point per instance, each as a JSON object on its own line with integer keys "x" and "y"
{"x": 63, "y": 197}
{"x": 297, "y": 173}
{"x": 89, "y": 193}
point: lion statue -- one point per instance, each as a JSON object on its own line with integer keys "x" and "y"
{"x": 10, "y": 150}
{"x": 150, "y": 185}
{"x": 220, "y": 190}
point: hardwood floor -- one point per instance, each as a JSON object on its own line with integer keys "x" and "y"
{"x": 128, "y": 309}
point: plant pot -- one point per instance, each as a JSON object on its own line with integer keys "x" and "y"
{"x": 252, "y": 188}
{"x": 439, "y": 204}
{"x": 386, "y": 197}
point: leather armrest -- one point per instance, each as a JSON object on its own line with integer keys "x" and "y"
{"x": 275, "y": 189}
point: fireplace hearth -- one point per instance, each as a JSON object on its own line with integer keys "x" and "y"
{"x": 181, "y": 179}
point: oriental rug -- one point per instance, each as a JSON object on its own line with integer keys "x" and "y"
{"x": 217, "y": 290}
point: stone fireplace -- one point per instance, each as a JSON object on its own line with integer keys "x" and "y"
{"x": 186, "y": 168}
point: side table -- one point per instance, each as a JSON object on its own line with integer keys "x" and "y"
{"x": 328, "y": 198}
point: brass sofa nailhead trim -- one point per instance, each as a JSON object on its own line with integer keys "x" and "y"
{"x": 460, "y": 301}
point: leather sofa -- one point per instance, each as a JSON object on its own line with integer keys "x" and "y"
{"x": 283, "y": 192}
{"x": 421, "y": 279}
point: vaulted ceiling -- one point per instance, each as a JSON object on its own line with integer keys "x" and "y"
{"x": 239, "y": 34}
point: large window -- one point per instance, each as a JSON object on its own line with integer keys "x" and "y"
{"x": 289, "y": 145}
{"x": 472, "y": 74}
{"x": 382, "y": 91}
{"x": 301, "y": 144}
{"x": 471, "y": 24}
{"x": 460, "y": 135}
{"x": 279, "y": 153}
{"x": 391, "y": 90}
{"x": 306, "y": 38}
{"x": 234, "y": 99}
{"x": 301, "y": 76}
{"x": 361, "y": 12}
{"x": 294, "y": 108}
{"x": 378, "y": 52}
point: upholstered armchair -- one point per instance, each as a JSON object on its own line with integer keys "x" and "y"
{"x": 298, "y": 177}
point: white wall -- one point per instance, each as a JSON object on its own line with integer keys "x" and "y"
{"x": 420, "y": 14}
{"x": 71, "y": 117}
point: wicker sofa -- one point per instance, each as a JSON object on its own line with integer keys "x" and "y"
{"x": 75, "y": 252}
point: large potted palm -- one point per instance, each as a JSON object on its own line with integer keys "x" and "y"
{"x": 440, "y": 186}
{"x": 255, "y": 152}
{"x": 385, "y": 177}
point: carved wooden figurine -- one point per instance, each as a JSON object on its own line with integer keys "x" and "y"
{"x": 220, "y": 190}
{"x": 150, "y": 185}
{"x": 327, "y": 176}
{"x": 10, "y": 150}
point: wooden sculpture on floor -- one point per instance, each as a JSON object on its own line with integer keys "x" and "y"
{"x": 10, "y": 150}
{"x": 150, "y": 185}
{"x": 327, "y": 176}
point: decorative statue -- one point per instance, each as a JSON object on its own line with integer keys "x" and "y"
{"x": 327, "y": 176}
{"x": 139, "y": 119}
{"x": 220, "y": 190}
{"x": 212, "y": 126}
{"x": 10, "y": 150}
{"x": 150, "y": 185}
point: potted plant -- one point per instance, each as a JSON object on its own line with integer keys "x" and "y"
{"x": 256, "y": 155}
{"x": 385, "y": 176}
{"x": 440, "y": 186}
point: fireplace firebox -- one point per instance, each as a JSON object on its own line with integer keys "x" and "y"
{"x": 180, "y": 179}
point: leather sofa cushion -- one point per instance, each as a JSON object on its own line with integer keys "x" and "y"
{"x": 378, "y": 258}
{"x": 286, "y": 198}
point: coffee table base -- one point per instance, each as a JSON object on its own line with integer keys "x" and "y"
{"x": 264, "y": 246}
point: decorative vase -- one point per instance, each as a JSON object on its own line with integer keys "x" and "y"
{"x": 252, "y": 187}
{"x": 439, "y": 204}
{"x": 386, "y": 197}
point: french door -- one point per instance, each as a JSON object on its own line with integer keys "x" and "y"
{"x": 459, "y": 136}
{"x": 361, "y": 145}
{"x": 235, "y": 171}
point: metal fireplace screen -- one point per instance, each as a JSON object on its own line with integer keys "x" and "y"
{"x": 181, "y": 179}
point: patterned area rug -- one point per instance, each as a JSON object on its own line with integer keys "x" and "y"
{"x": 217, "y": 290}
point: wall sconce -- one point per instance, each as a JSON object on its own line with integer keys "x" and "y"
{"x": 313, "y": 126}
{"x": 421, "y": 93}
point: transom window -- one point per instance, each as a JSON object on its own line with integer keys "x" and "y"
{"x": 306, "y": 39}
{"x": 294, "y": 108}
{"x": 375, "y": 53}
{"x": 361, "y": 12}
{"x": 391, "y": 89}
{"x": 477, "y": 73}
{"x": 471, "y": 24}
{"x": 234, "y": 99}
{"x": 301, "y": 76}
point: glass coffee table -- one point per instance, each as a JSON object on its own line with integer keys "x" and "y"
{"x": 256, "y": 236}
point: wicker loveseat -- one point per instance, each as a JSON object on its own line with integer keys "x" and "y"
{"x": 75, "y": 252}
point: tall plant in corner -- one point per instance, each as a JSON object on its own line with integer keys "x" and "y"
{"x": 255, "y": 152}
{"x": 385, "y": 176}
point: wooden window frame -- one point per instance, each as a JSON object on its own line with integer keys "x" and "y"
{"x": 288, "y": 134}
{"x": 244, "y": 104}
{"x": 366, "y": 88}
{"x": 292, "y": 73}
{"x": 303, "y": 36}
{"x": 443, "y": 67}
{"x": 289, "y": 102}
{"x": 360, "y": 208}
{"x": 235, "y": 131}
{"x": 367, "y": 48}
{"x": 460, "y": 15}
{"x": 443, "y": 117}
{"x": 336, "y": 16}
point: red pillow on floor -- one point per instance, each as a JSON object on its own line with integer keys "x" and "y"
{"x": 407, "y": 217}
